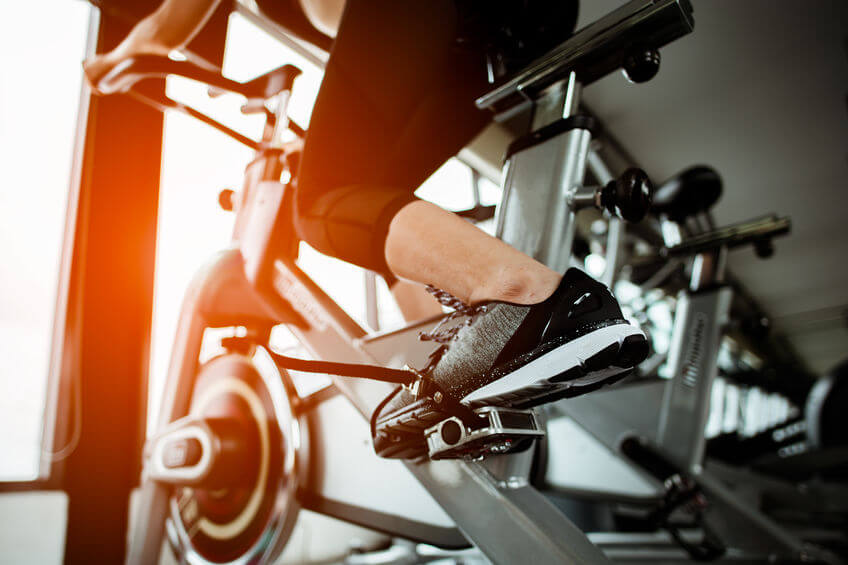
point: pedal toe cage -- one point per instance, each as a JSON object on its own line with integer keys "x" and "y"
{"x": 474, "y": 433}
{"x": 499, "y": 431}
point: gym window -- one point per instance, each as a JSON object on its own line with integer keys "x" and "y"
{"x": 42, "y": 46}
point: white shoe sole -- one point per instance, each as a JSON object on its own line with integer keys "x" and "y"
{"x": 580, "y": 356}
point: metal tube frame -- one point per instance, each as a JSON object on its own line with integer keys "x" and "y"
{"x": 536, "y": 215}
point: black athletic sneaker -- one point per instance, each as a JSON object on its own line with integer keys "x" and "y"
{"x": 515, "y": 355}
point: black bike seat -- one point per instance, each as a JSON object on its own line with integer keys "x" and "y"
{"x": 688, "y": 193}
{"x": 512, "y": 34}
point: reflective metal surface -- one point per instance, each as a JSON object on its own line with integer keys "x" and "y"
{"x": 535, "y": 216}
{"x": 615, "y": 226}
{"x": 557, "y": 101}
{"x": 708, "y": 269}
{"x": 595, "y": 50}
{"x": 505, "y": 431}
{"x": 693, "y": 357}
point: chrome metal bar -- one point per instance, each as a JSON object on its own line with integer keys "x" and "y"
{"x": 615, "y": 235}
{"x": 536, "y": 215}
{"x": 557, "y": 101}
{"x": 596, "y": 50}
{"x": 693, "y": 358}
{"x": 372, "y": 307}
{"x": 250, "y": 10}
{"x": 476, "y": 177}
{"x": 598, "y": 167}
{"x": 708, "y": 269}
{"x": 281, "y": 118}
{"x": 615, "y": 226}
{"x": 735, "y": 235}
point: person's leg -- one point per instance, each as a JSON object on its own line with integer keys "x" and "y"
{"x": 396, "y": 102}
{"x": 432, "y": 246}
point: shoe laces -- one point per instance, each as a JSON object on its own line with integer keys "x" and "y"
{"x": 442, "y": 334}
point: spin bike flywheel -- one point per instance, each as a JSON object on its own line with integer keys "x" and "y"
{"x": 246, "y": 511}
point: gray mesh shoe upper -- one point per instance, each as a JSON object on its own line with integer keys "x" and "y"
{"x": 511, "y": 355}
{"x": 506, "y": 335}
{"x": 477, "y": 347}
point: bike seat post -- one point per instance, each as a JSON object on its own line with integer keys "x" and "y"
{"x": 708, "y": 269}
{"x": 558, "y": 101}
{"x": 281, "y": 118}
{"x": 702, "y": 312}
{"x": 615, "y": 225}
{"x": 542, "y": 170}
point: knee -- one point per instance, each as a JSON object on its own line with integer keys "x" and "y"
{"x": 331, "y": 222}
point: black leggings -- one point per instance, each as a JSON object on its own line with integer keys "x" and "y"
{"x": 397, "y": 101}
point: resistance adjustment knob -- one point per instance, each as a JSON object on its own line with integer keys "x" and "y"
{"x": 629, "y": 196}
{"x": 641, "y": 65}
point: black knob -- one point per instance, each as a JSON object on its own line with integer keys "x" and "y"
{"x": 629, "y": 196}
{"x": 764, "y": 248}
{"x": 641, "y": 65}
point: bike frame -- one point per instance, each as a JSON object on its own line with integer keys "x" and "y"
{"x": 257, "y": 284}
{"x": 464, "y": 490}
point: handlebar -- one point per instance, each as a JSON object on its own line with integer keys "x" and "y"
{"x": 596, "y": 50}
{"x": 758, "y": 232}
{"x": 125, "y": 77}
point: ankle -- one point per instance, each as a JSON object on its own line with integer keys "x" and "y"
{"x": 519, "y": 286}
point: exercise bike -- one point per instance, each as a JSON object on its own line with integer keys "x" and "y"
{"x": 239, "y": 449}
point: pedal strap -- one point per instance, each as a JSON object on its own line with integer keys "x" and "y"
{"x": 355, "y": 370}
{"x": 428, "y": 388}
{"x": 419, "y": 384}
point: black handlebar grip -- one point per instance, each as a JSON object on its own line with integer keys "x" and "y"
{"x": 629, "y": 196}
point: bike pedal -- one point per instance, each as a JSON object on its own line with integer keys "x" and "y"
{"x": 501, "y": 431}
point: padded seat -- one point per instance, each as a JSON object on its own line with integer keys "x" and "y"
{"x": 688, "y": 193}
{"x": 510, "y": 33}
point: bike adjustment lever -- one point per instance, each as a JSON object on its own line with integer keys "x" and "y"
{"x": 629, "y": 196}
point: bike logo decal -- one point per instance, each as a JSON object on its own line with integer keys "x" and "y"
{"x": 692, "y": 363}
{"x": 299, "y": 298}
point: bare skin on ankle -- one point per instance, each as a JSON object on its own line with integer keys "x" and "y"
{"x": 429, "y": 245}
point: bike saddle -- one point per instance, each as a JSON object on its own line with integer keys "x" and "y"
{"x": 513, "y": 33}
{"x": 688, "y": 193}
